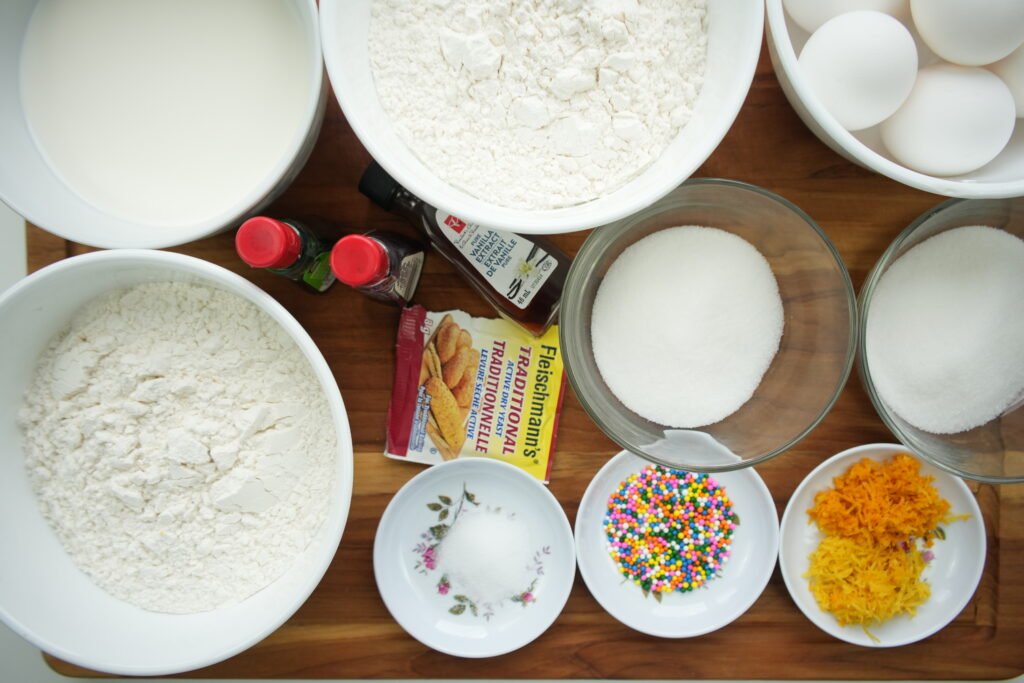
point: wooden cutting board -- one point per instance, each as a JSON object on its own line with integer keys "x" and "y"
{"x": 344, "y": 630}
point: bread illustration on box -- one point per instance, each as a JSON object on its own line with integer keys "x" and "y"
{"x": 474, "y": 387}
{"x": 448, "y": 375}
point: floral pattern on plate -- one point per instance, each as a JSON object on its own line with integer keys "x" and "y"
{"x": 448, "y": 511}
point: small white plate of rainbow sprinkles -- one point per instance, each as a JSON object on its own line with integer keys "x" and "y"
{"x": 881, "y": 549}
{"x": 675, "y": 554}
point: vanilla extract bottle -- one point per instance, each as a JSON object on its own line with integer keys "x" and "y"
{"x": 520, "y": 276}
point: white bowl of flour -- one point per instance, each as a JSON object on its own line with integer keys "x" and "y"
{"x": 178, "y": 462}
{"x": 153, "y": 124}
{"x": 541, "y": 117}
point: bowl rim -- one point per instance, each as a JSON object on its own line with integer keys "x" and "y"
{"x": 785, "y": 56}
{"x": 160, "y": 237}
{"x": 527, "y": 221}
{"x": 883, "y": 450}
{"x": 762, "y": 581}
{"x": 569, "y": 349}
{"x": 864, "y": 299}
{"x": 332, "y": 528}
{"x": 501, "y": 469}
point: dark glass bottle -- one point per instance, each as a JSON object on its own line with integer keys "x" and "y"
{"x": 521, "y": 277}
{"x": 382, "y": 265}
{"x": 287, "y": 248}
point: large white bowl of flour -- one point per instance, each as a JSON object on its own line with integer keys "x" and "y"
{"x": 153, "y": 124}
{"x": 462, "y": 106}
{"x": 46, "y": 594}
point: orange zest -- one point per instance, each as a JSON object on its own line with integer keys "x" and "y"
{"x": 884, "y": 503}
{"x": 867, "y": 569}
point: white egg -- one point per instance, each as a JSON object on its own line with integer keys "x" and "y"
{"x": 956, "y": 120}
{"x": 970, "y": 32}
{"x": 861, "y": 66}
{"x": 811, "y": 14}
{"x": 925, "y": 55}
{"x": 1011, "y": 70}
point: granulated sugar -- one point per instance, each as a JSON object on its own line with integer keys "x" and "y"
{"x": 486, "y": 555}
{"x": 685, "y": 324}
{"x": 538, "y": 103}
{"x": 945, "y": 331}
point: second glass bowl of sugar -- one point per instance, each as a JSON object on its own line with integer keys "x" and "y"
{"x": 691, "y": 371}
{"x": 941, "y": 345}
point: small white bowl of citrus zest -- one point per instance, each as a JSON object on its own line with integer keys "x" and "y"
{"x": 952, "y": 573}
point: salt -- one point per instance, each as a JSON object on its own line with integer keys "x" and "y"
{"x": 685, "y": 324}
{"x": 487, "y": 556}
{"x": 945, "y": 330}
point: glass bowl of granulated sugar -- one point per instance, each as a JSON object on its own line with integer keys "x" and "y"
{"x": 712, "y": 331}
{"x": 941, "y": 348}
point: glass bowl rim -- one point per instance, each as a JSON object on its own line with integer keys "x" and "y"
{"x": 602, "y": 236}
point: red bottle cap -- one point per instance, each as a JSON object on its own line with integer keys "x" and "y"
{"x": 358, "y": 260}
{"x": 267, "y": 243}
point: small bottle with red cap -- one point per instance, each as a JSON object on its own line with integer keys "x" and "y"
{"x": 382, "y": 265}
{"x": 287, "y": 248}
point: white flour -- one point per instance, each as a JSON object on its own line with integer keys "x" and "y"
{"x": 538, "y": 103}
{"x": 180, "y": 445}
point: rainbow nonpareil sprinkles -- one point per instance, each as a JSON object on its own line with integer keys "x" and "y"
{"x": 669, "y": 530}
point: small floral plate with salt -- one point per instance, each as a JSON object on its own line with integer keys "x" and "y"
{"x": 474, "y": 558}
{"x": 675, "y": 554}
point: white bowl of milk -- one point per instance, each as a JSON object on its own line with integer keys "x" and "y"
{"x": 152, "y": 124}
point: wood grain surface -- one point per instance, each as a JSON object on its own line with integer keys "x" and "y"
{"x": 345, "y": 631}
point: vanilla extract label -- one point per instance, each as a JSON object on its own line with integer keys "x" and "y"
{"x": 516, "y": 267}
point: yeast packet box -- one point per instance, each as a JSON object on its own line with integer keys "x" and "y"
{"x": 474, "y": 387}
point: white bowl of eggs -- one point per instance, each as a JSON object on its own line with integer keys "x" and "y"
{"x": 926, "y": 92}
